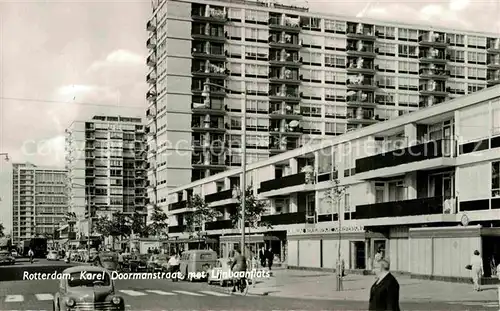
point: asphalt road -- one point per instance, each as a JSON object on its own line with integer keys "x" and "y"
{"x": 156, "y": 295}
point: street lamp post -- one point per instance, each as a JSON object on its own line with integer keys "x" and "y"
{"x": 87, "y": 199}
{"x": 206, "y": 92}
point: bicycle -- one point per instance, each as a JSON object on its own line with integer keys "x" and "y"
{"x": 242, "y": 285}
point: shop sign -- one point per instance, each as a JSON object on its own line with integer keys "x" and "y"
{"x": 344, "y": 229}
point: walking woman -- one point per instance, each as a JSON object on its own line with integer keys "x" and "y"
{"x": 477, "y": 270}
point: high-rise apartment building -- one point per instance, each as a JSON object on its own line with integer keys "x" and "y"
{"x": 106, "y": 162}
{"x": 39, "y": 199}
{"x": 306, "y": 75}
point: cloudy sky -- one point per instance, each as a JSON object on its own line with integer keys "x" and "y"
{"x": 67, "y": 60}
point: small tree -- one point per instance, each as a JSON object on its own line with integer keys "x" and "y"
{"x": 334, "y": 196}
{"x": 254, "y": 209}
{"x": 159, "y": 223}
{"x": 201, "y": 213}
{"x": 2, "y": 228}
{"x": 139, "y": 226}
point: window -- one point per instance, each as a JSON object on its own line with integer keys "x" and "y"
{"x": 257, "y": 123}
{"x": 476, "y": 58}
{"x": 235, "y": 122}
{"x": 235, "y": 51}
{"x": 257, "y": 53}
{"x": 311, "y": 41}
{"x": 408, "y": 100}
{"x": 256, "y": 35}
{"x": 408, "y": 83}
{"x": 332, "y": 77}
{"x": 311, "y": 92}
{"x": 311, "y": 58}
{"x": 312, "y": 127}
{"x": 495, "y": 122}
{"x": 476, "y": 73}
{"x": 332, "y": 43}
{"x": 312, "y": 110}
{"x": 334, "y": 128}
{"x": 386, "y": 65}
{"x": 457, "y": 56}
{"x": 475, "y": 87}
{"x": 335, "y": 26}
{"x": 474, "y": 41}
{"x": 257, "y": 88}
{"x": 258, "y": 106}
{"x": 495, "y": 179}
{"x": 310, "y": 75}
{"x": 456, "y": 40}
{"x": 408, "y": 67}
{"x": 388, "y": 49}
{"x": 347, "y": 202}
{"x": 405, "y": 50}
{"x": 256, "y": 71}
{"x": 388, "y": 82}
{"x": 337, "y": 61}
{"x": 234, "y": 14}
{"x": 385, "y": 98}
{"x": 333, "y": 94}
{"x": 310, "y": 23}
{"x": 257, "y": 141}
{"x": 234, "y": 32}
{"x": 407, "y": 34}
{"x": 235, "y": 69}
{"x": 256, "y": 17}
{"x": 457, "y": 71}
{"x": 457, "y": 87}
{"x": 386, "y": 32}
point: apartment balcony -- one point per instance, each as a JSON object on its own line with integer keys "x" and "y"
{"x": 493, "y": 78}
{"x": 216, "y": 127}
{"x": 367, "y": 85}
{"x": 211, "y": 16}
{"x": 433, "y": 73}
{"x": 404, "y": 208}
{"x": 210, "y": 36}
{"x": 151, "y": 43}
{"x": 494, "y": 62}
{"x": 178, "y": 205}
{"x": 433, "y": 58}
{"x": 362, "y": 68}
{"x": 285, "y": 219}
{"x": 434, "y": 40}
{"x": 361, "y": 34}
{"x": 361, "y": 101}
{"x": 150, "y": 26}
{"x": 294, "y": 62}
{"x": 294, "y": 44}
{"x": 200, "y": 164}
{"x": 364, "y": 117}
{"x": 285, "y": 96}
{"x": 425, "y": 156}
{"x": 287, "y": 132}
{"x": 210, "y": 53}
{"x": 219, "y": 196}
{"x": 439, "y": 90}
{"x": 205, "y": 109}
{"x": 287, "y": 184}
{"x": 151, "y": 95}
{"x": 283, "y": 114}
{"x": 277, "y": 148}
{"x": 219, "y": 225}
{"x": 293, "y": 79}
{"x": 364, "y": 51}
{"x": 151, "y": 60}
{"x": 177, "y": 229}
{"x": 151, "y": 77}
{"x": 211, "y": 72}
{"x": 150, "y": 113}
{"x": 285, "y": 24}
{"x": 493, "y": 46}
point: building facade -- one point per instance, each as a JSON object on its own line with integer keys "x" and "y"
{"x": 424, "y": 188}
{"x": 106, "y": 162}
{"x": 40, "y": 201}
{"x": 306, "y": 75}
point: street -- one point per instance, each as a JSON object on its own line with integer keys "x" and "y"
{"x": 167, "y": 295}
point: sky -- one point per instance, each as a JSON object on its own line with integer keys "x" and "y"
{"x": 69, "y": 60}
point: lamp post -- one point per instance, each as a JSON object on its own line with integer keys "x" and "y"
{"x": 206, "y": 93}
{"x": 87, "y": 199}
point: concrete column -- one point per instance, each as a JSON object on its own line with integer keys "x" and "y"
{"x": 410, "y": 181}
{"x": 294, "y": 166}
{"x": 411, "y": 134}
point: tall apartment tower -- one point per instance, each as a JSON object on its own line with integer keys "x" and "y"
{"x": 106, "y": 162}
{"x": 306, "y": 75}
{"x": 39, "y": 199}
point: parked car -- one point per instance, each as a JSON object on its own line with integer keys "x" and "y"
{"x": 195, "y": 262}
{"x": 220, "y": 273}
{"x": 158, "y": 263}
{"x": 94, "y": 290}
{"x": 53, "y": 255}
{"x": 138, "y": 262}
{"x": 6, "y": 258}
{"x": 14, "y": 254}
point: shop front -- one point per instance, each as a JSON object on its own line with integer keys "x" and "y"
{"x": 275, "y": 241}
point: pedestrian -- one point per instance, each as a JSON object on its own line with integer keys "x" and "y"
{"x": 270, "y": 258}
{"x": 120, "y": 261}
{"x": 384, "y": 293}
{"x": 30, "y": 255}
{"x": 477, "y": 270}
{"x": 262, "y": 256}
{"x": 174, "y": 265}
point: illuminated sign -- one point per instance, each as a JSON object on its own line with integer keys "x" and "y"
{"x": 343, "y": 229}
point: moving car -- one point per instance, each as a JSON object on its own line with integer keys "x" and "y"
{"x": 109, "y": 260}
{"x": 6, "y": 258}
{"x": 221, "y": 272}
{"x": 95, "y": 290}
{"x": 196, "y": 262}
{"x": 53, "y": 255}
{"x": 14, "y": 254}
{"x": 158, "y": 263}
{"x": 138, "y": 263}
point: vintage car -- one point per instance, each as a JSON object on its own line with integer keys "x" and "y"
{"x": 158, "y": 263}
{"x": 221, "y": 272}
{"x": 52, "y": 255}
{"x": 138, "y": 262}
{"x": 6, "y": 258}
{"x": 109, "y": 260}
{"x": 196, "y": 262}
{"x": 93, "y": 291}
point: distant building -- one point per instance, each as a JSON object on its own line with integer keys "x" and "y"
{"x": 40, "y": 201}
{"x": 106, "y": 162}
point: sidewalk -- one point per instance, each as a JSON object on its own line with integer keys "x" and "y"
{"x": 321, "y": 285}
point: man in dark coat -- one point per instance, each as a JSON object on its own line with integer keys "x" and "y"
{"x": 384, "y": 294}
{"x": 263, "y": 256}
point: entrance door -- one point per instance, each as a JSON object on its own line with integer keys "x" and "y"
{"x": 359, "y": 255}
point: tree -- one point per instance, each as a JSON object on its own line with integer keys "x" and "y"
{"x": 2, "y": 228}
{"x": 334, "y": 196}
{"x": 138, "y": 225}
{"x": 201, "y": 213}
{"x": 118, "y": 226}
{"x": 159, "y": 223}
